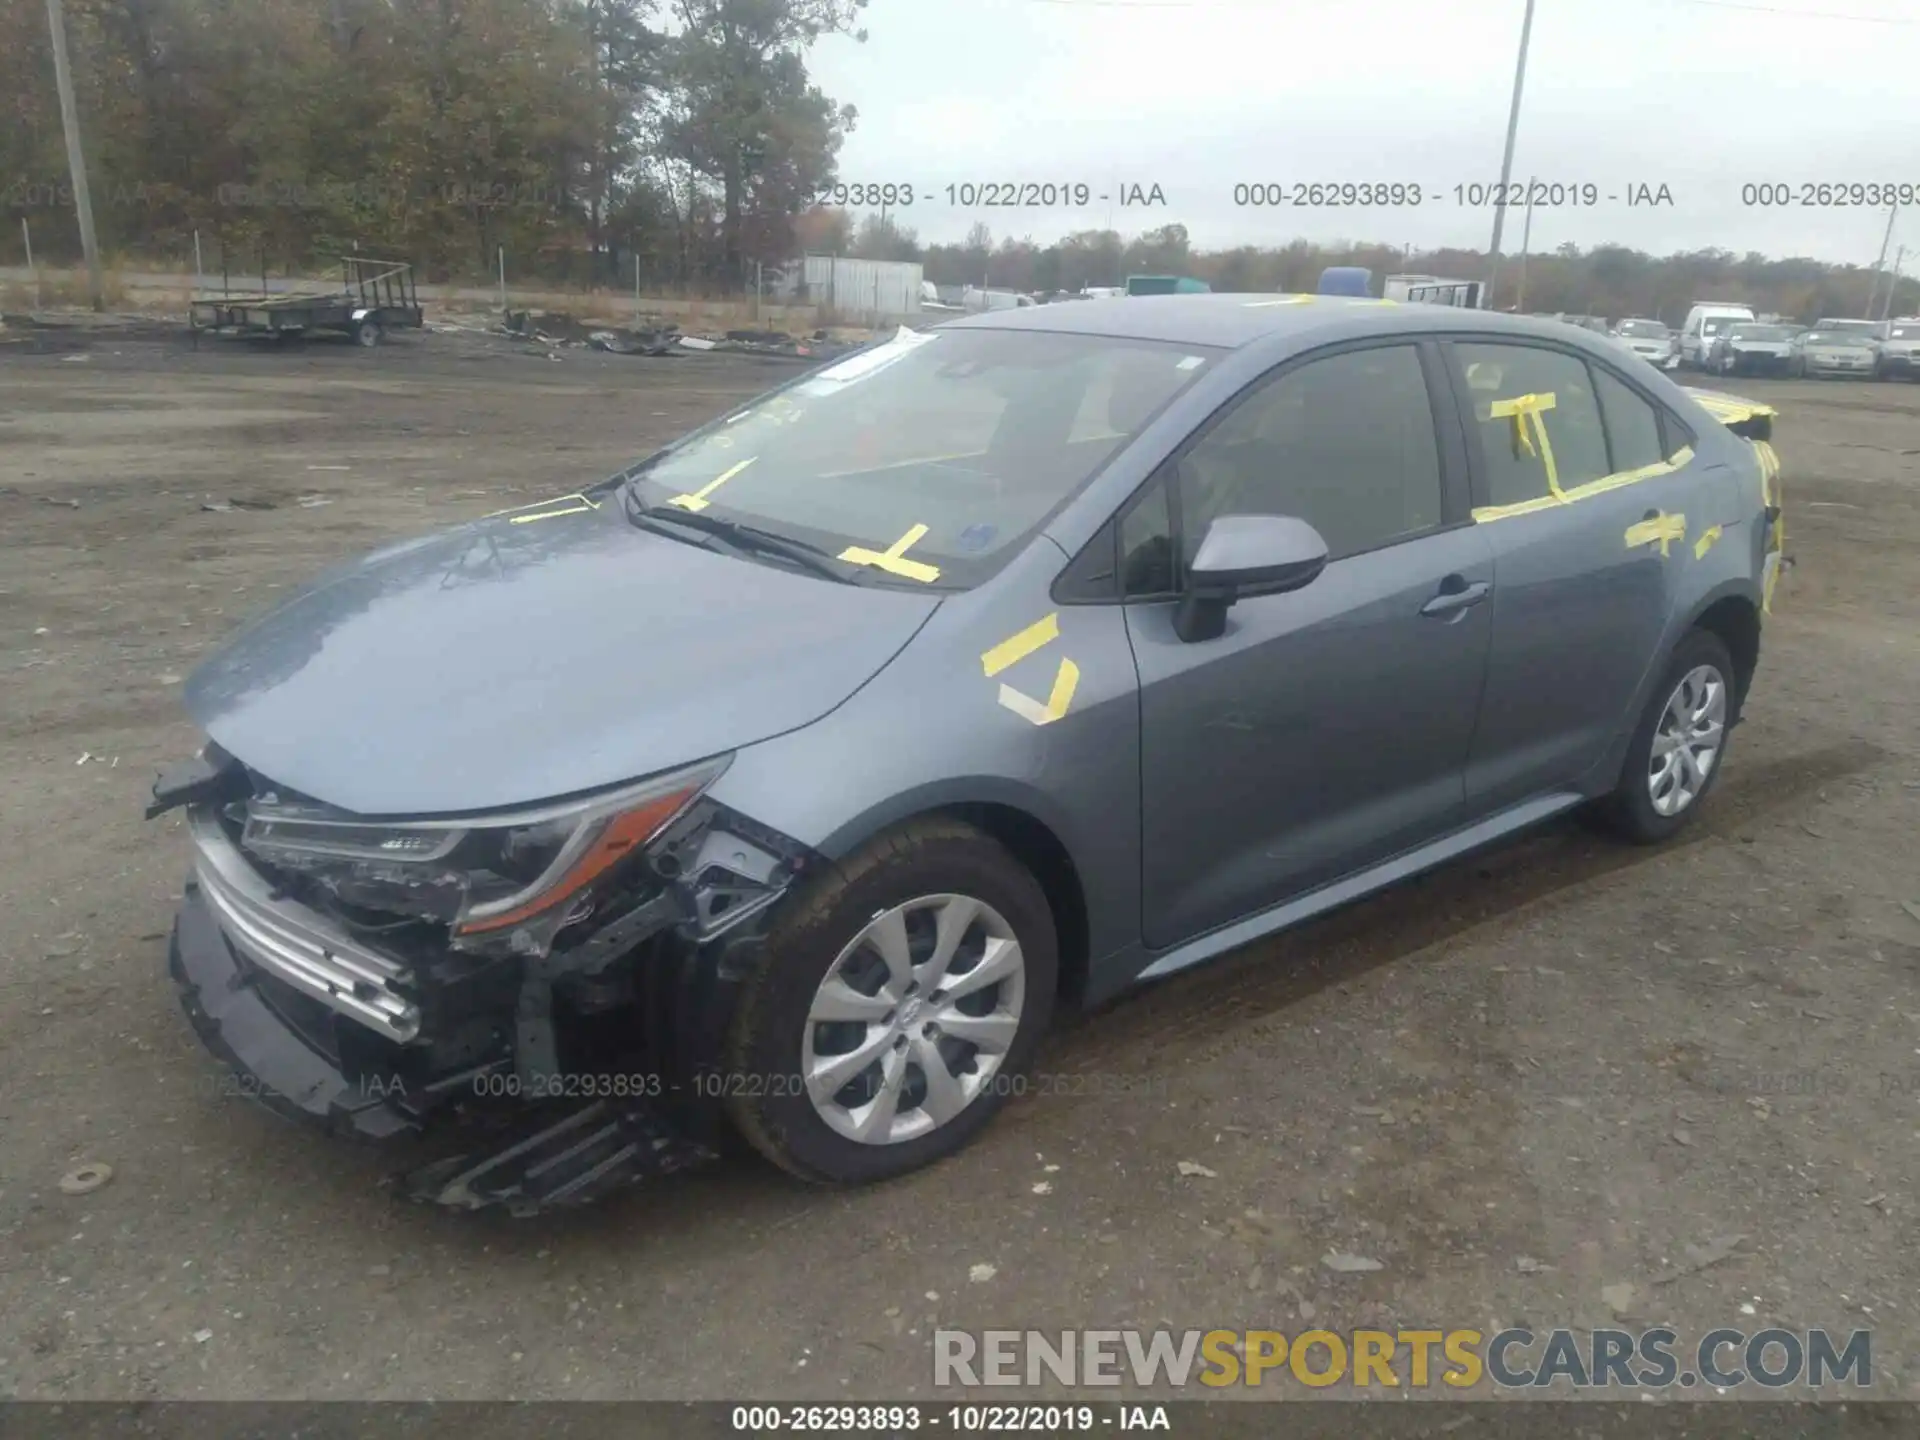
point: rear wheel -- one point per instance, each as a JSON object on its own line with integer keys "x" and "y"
{"x": 368, "y": 332}
{"x": 1680, "y": 745}
{"x": 899, "y": 1004}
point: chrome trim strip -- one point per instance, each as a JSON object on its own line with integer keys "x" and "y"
{"x": 293, "y": 942}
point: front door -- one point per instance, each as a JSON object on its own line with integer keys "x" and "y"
{"x": 1329, "y": 727}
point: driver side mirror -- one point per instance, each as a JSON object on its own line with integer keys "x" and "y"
{"x": 1241, "y": 557}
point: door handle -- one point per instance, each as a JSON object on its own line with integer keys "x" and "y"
{"x": 1453, "y": 601}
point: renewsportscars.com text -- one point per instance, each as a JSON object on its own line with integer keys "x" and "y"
{"x": 1723, "y": 1359}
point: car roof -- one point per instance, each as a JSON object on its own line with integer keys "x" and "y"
{"x": 1228, "y": 322}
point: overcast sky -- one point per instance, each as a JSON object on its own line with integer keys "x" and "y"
{"x": 1196, "y": 96}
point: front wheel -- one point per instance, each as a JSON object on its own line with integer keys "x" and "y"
{"x": 368, "y": 332}
{"x": 1680, "y": 744}
{"x": 899, "y": 1004}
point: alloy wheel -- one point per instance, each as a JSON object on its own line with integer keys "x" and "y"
{"x": 1687, "y": 740}
{"x": 914, "y": 1019}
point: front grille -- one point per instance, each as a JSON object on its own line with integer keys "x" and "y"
{"x": 294, "y": 943}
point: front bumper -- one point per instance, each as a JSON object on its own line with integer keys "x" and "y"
{"x": 523, "y": 1158}
{"x": 1749, "y": 362}
{"x": 526, "y": 1086}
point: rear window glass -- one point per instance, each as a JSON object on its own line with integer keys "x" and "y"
{"x": 1632, "y": 423}
{"x": 1548, "y": 383}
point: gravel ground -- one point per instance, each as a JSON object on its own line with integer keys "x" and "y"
{"x": 1531, "y": 1085}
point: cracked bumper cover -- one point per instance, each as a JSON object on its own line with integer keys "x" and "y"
{"x": 290, "y": 1002}
{"x": 556, "y": 1155}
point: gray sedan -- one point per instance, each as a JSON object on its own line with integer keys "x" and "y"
{"x": 1900, "y": 351}
{"x": 1834, "y": 353}
{"x": 785, "y": 785}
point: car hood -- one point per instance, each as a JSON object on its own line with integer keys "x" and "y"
{"x": 526, "y": 657}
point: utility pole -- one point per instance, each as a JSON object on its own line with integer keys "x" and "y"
{"x": 1879, "y": 264}
{"x": 1893, "y": 283}
{"x": 76, "y": 162}
{"x": 1526, "y": 239}
{"x": 1506, "y": 160}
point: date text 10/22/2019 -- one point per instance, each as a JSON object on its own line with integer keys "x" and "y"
{"x": 1253, "y": 194}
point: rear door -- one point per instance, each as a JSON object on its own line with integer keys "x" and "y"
{"x": 1584, "y": 493}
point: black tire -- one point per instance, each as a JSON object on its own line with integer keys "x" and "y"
{"x": 1628, "y": 811}
{"x": 765, "y": 1098}
{"x": 368, "y": 333}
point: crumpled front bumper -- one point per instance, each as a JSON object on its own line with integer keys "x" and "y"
{"x": 524, "y": 1158}
{"x": 287, "y": 1073}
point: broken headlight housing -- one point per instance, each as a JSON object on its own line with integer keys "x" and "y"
{"x": 511, "y": 880}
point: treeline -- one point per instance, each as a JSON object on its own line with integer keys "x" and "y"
{"x": 577, "y": 134}
{"x": 1608, "y": 280}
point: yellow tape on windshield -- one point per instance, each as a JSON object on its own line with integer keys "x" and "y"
{"x": 1664, "y": 529}
{"x": 1705, "y": 542}
{"x": 892, "y": 559}
{"x": 1528, "y": 414}
{"x": 698, "y": 499}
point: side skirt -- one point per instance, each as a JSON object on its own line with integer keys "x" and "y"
{"x": 1361, "y": 883}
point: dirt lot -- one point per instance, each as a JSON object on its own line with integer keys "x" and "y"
{"x": 1520, "y": 1084}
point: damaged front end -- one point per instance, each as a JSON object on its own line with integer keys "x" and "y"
{"x": 557, "y": 980}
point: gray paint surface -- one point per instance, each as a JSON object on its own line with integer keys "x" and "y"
{"x": 1193, "y": 786}
{"x": 502, "y": 664}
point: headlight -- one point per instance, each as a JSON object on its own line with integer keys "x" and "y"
{"x": 483, "y": 876}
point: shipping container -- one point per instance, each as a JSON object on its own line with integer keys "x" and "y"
{"x": 868, "y": 289}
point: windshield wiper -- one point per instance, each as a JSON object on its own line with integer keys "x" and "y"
{"x": 742, "y": 538}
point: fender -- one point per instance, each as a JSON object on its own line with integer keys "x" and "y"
{"x": 1606, "y": 772}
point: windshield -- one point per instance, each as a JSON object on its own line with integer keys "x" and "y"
{"x": 1861, "y": 327}
{"x": 1835, "y": 337}
{"x": 1760, "y": 332}
{"x": 1904, "y": 332}
{"x": 1643, "y": 330}
{"x": 1714, "y": 325}
{"x": 930, "y": 457}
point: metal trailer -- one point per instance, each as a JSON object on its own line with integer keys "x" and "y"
{"x": 375, "y": 296}
{"x": 1436, "y": 290}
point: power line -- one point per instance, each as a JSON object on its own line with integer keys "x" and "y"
{"x": 1751, "y": 9}
{"x": 1802, "y": 14}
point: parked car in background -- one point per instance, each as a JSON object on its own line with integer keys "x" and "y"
{"x": 1870, "y": 329}
{"x": 1649, "y": 339}
{"x": 1098, "y": 700}
{"x": 1750, "y": 348}
{"x": 1704, "y": 324}
{"x": 1900, "y": 351}
{"x": 1827, "y": 352}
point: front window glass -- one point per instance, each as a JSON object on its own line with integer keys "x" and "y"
{"x": 958, "y": 442}
{"x": 1835, "y": 337}
{"x": 1760, "y": 332}
{"x": 1643, "y": 329}
{"x": 1345, "y": 443}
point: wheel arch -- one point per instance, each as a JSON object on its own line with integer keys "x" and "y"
{"x": 1732, "y": 614}
{"x": 1019, "y": 819}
